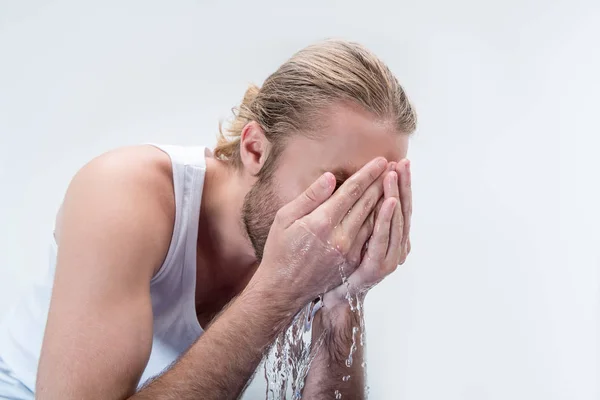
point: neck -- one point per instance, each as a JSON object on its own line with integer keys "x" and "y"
{"x": 222, "y": 241}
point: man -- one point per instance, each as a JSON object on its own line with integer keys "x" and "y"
{"x": 173, "y": 269}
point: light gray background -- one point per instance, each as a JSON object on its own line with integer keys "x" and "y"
{"x": 499, "y": 299}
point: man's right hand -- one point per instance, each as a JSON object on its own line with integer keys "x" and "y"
{"x": 312, "y": 236}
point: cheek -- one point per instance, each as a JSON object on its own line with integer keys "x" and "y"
{"x": 289, "y": 192}
{"x": 290, "y": 188}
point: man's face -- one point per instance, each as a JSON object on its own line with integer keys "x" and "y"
{"x": 349, "y": 138}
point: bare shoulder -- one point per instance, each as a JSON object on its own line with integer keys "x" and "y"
{"x": 142, "y": 166}
{"x": 125, "y": 193}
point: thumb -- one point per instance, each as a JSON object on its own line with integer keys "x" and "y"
{"x": 309, "y": 200}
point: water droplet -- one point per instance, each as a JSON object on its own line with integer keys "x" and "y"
{"x": 338, "y": 395}
{"x": 346, "y": 378}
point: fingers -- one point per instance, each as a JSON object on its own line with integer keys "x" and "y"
{"x": 356, "y": 252}
{"x": 394, "y": 250}
{"x": 361, "y": 210}
{"x": 308, "y": 201}
{"x": 389, "y": 243}
{"x": 390, "y": 184}
{"x": 350, "y": 192}
{"x": 369, "y": 272}
{"x": 378, "y": 207}
{"x": 379, "y": 242}
{"x": 405, "y": 186}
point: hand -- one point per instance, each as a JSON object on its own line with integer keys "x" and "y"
{"x": 312, "y": 237}
{"x": 388, "y": 244}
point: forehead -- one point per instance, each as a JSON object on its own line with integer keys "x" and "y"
{"x": 347, "y": 138}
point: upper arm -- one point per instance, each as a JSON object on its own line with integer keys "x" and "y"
{"x": 113, "y": 232}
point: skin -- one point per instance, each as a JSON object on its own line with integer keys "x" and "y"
{"x": 114, "y": 230}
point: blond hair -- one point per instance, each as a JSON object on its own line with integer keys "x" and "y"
{"x": 291, "y": 99}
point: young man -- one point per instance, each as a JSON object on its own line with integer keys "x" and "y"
{"x": 173, "y": 268}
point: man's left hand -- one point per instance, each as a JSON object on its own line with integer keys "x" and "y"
{"x": 387, "y": 245}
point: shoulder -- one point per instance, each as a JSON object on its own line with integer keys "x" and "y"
{"x": 135, "y": 165}
{"x": 127, "y": 192}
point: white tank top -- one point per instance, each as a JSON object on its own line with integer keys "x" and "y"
{"x": 172, "y": 289}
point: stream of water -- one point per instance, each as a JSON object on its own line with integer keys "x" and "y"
{"x": 289, "y": 358}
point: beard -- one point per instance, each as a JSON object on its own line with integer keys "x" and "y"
{"x": 258, "y": 212}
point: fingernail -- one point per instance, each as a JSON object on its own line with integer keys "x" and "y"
{"x": 324, "y": 180}
{"x": 394, "y": 176}
{"x": 382, "y": 163}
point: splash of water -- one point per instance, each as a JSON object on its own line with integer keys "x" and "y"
{"x": 361, "y": 317}
{"x": 356, "y": 304}
{"x": 290, "y": 357}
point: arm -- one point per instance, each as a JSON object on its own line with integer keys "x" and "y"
{"x": 389, "y": 245}
{"x": 329, "y": 374}
{"x": 235, "y": 344}
{"x": 221, "y": 362}
{"x": 113, "y": 232}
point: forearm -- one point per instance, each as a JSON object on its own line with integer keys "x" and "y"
{"x": 330, "y": 372}
{"x": 221, "y": 362}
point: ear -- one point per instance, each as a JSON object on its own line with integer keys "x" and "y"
{"x": 253, "y": 148}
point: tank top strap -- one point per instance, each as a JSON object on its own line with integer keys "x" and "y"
{"x": 189, "y": 165}
{"x": 185, "y": 155}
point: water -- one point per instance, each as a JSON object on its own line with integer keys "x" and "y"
{"x": 363, "y": 364}
{"x": 349, "y": 360}
{"x": 356, "y": 303}
{"x": 289, "y": 358}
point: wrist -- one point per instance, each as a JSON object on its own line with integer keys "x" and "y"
{"x": 271, "y": 298}
{"x": 279, "y": 289}
{"x": 336, "y": 303}
{"x": 339, "y": 318}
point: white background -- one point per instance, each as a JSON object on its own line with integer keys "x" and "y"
{"x": 500, "y": 297}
